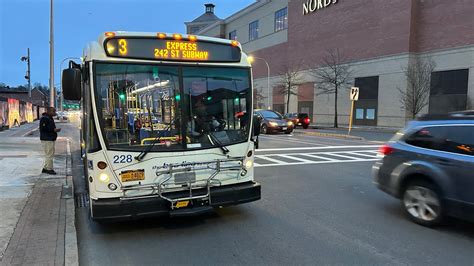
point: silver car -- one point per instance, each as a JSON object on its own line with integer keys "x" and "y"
{"x": 430, "y": 166}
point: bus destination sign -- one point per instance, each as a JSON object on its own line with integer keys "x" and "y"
{"x": 171, "y": 50}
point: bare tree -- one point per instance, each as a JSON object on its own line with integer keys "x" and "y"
{"x": 332, "y": 76}
{"x": 418, "y": 75}
{"x": 290, "y": 77}
{"x": 258, "y": 97}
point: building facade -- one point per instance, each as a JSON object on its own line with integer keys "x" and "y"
{"x": 378, "y": 42}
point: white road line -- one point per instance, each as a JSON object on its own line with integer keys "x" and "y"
{"x": 361, "y": 154}
{"x": 294, "y": 158}
{"x": 320, "y": 157}
{"x": 342, "y": 156}
{"x": 271, "y": 159}
{"x": 318, "y": 148}
{"x": 291, "y": 140}
{"x": 319, "y": 162}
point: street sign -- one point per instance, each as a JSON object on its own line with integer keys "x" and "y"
{"x": 354, "y": 94}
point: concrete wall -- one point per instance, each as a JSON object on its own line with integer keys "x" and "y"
{"x": 391, "y": 113}
{"x": 376, "y": 37}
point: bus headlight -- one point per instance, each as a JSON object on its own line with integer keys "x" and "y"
{"x": 104, "y": 178}
{"x": 248, "y": 164}
{"x": 112, "y": 186}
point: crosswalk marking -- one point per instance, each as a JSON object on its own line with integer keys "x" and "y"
{"x": 318, "y": 148}
{"x": 316, "y": 158}
{"x": 294, "y": 158}
{"x": 270, "y": 159}
{"x": 343, "y": 156}
{"x": 319, "y": 157}
{"x": 362, "y": 154}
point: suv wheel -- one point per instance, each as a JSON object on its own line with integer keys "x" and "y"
{"x": 422, "y": 203}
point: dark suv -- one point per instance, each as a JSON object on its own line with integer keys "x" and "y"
{"x": 298, "y": 119}
{"x": 430, "y": 167}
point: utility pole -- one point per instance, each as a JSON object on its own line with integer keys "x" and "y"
{"x": 28, "y": 73}
{"x": 51, "y": 58}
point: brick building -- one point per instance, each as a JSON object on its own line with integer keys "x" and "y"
{"x": 378, "y": 39}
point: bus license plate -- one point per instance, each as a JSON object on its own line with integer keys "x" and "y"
{"x": 133, "y": 175}
{"x": 182, "y": 204}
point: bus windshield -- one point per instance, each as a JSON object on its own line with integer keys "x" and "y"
{"x": 172, "y": 107}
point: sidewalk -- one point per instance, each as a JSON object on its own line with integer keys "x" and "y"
{"x": 37, "y": 225}
{"x": 356, "y": 128}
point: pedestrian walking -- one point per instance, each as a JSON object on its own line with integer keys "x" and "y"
{"x": 16, "y": 123}
{"x": 48, "y": 136}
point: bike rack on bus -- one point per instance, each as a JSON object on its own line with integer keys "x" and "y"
{"x": 160, "y": 188}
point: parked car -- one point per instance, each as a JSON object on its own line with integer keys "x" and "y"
{"x": 62, "y": 116}
{"x": 429, "y": 165}
{"x": 298, "y": 119}
{"x": 271, "y": 122}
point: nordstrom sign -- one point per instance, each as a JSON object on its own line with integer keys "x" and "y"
{"x": 313, "y": 5}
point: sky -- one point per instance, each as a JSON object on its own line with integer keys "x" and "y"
{"x": 25, "y": 24}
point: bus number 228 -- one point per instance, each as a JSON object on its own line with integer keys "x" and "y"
{"x": 123, "y": 159}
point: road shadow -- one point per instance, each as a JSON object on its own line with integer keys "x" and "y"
{"x": 450, "y": 225}
{"x": 217, "y": 216}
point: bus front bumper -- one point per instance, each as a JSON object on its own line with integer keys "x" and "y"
{"x": 222, "y": 196}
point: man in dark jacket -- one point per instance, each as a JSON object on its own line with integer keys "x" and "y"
{"x": 48, "y": 136}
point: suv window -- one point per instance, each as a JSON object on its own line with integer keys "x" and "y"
{"x": 460, "y": 139}
{"x": 456, "y": 139}
{"x": 302, "y": 115}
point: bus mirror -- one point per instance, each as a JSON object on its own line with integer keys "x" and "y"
{"x": 71, "y": 84}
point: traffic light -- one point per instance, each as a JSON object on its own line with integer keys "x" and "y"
{"x": 122, "y": 96}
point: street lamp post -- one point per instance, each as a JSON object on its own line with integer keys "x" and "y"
{"x": 61, "y": 74}
{"x": 268, "y": 77}
{"x": 51, "y": 57}
{"x": 28, "y": 73}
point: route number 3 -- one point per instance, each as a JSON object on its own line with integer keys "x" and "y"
{"x": 123, "y": 159}
{"x": 123, "y": 47}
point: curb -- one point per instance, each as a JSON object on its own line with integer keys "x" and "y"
{"x": 332, "y": 135}
{"x": 71, "y": 255}
{"x": 361, "y": 129}
{"x": 30, "y": 132}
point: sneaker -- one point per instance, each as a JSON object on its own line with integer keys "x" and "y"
{"x": 51, "y": 172}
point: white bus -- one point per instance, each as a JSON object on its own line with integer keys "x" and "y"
{"x": 167, "y": 124}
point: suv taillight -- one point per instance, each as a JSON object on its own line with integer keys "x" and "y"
{"x": 385, "y": 149}
{"x": 306, "y": 120}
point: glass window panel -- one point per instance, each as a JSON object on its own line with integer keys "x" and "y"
{"x": 281, "y": 19}
{"x": 253, "y": 30}
{"x": 233, "y": 35}
{"x": 138, "y": 106}
{"x": 370, "y": 114}
{"x": 219, "y": 102}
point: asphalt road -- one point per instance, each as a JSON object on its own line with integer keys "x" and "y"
{"x": 318, "y": 206}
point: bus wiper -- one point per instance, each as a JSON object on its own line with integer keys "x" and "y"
{"x": 148, "y": 148}
{"x": 213, "y": 139}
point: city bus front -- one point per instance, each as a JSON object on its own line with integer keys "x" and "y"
{"x": 173, "y": 126}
